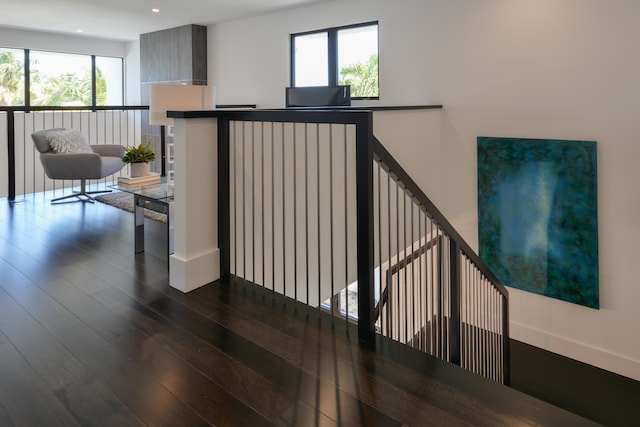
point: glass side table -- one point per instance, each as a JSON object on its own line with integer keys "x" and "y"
{"x": 157, "y": 197}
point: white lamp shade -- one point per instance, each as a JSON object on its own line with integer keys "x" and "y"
{"x": 163, "y": 98}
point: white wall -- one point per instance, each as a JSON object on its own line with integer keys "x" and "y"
{"x": 132, "y": 94}
{"x": 519, "y": 68}
{"x": 51, "y": 42}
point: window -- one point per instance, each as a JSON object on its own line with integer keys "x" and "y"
{"x": 337, "y": 56}
{"x": 109, "y": 81}
{"x": 59, "y": 79}
{"x": 312, "y": 63}
{"x": 11, "y": 77}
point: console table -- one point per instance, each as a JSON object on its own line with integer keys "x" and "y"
{"x": 157, "y": 197}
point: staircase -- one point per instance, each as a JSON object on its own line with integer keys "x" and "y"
{"x": 313, "y": 207}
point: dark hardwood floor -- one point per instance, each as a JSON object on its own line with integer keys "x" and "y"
{"x": 92, "y": 335}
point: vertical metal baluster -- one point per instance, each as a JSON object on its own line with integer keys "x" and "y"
{"x": 433, "y": 289}
{"x": 470, "y": 309}
{"x": 306, "y": 203}
{"x": 476, "y": 298}
{"x": 492, "y": 356}
{"x": 318, "y": 214}
{"x": 380, "y": 305}
{"x": 499, "y": 336}
{"x": 478, "y": 306}
{"x": 389, "y": 285}
{"x": 244, "y": 202}
{"x": 264, "y": 266}
{"x": 422, "y": 293}
{"x": 488, "y": 329}
{"x": 444, "y": 297}
{"x": 427, "y": 279}
{"x": 470, "y": 272}
{"x": 253, "y": 202}
{"x": 463, "y": 312}
{"x": 436, "y": 293}
{"x": 479, "y": 321}
{"x": 406, "y": 265}
{"x": 346, "y": 223}
{"x": 446, "y": 325}
{"x": 44, "y": 176}
{"x": 424, "y": 272}
{"x": 33, "y": 160}
{"x": 284, "y": 210}
{"x": 398, "y": 260}
{"x": 481, "y": 328}
{"x": 472, "y": 323}
{"x": 481, "y": 347}
{"x": 484, "y": 327}
{"x": 503, "y": 350}
{"x": 234, "y": 215}
{"x": 295, "y": 216}
{"x": 414, "y": 333}
{"x": 334, "y": 310}
{"x": 444, "y": 301}
{"x": 494, "y": 328}
{"x": 273, "y": 208}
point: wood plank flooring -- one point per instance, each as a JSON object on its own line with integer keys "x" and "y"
{"x": 92, "y": 335}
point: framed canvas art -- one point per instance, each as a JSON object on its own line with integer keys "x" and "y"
{"x": 537, "y": 215}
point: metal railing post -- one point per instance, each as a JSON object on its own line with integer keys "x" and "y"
{"x": 224, "y": 201}
{"x": 364, "y": 214}
{"x": 454, "y": 310}
{"x": 11, "y": 152}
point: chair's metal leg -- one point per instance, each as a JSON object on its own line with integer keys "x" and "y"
{"x": 68, "y": 196}
{"x": 82, "y": 195}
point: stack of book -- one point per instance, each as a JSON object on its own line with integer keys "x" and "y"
{"x": 127, "y": 181}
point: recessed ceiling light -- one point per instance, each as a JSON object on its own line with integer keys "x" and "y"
{"x": 155, "y": 10}
{"x": 78, "y": 31}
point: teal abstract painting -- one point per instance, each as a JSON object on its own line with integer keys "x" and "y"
{"x": 538, "y": 215}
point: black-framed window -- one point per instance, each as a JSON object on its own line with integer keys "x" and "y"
{"x": 345, "y": 55}
{"x": 39, "y": 78}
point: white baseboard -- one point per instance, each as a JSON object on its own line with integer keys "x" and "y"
{"x": 189, "y": 274}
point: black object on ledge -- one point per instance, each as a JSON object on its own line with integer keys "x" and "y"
{"x": 318, "y": 96}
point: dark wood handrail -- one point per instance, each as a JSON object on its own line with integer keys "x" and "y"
{"x": 393, "y": 167}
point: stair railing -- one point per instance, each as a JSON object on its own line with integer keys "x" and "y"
{"x": 436, "y": 294}
{"x": 314, "y": 208}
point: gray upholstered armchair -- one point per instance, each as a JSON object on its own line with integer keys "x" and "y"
{"x": 65, "y": 154}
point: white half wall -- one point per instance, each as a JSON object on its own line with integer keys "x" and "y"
{"x": 562, "y": 69}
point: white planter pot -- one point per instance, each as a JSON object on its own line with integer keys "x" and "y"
{"x": 140, "y": 169}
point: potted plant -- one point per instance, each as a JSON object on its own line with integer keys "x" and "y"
{"x": 139, "y": 157}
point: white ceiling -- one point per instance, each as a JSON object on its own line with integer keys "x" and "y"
{"x": 127, "y": 19}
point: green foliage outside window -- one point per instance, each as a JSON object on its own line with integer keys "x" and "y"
{"x": 11, "y": 79}
{"x": 70, "y": 89}
{"x": 362, "y": 77}
{"x": 61, "y": 90}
